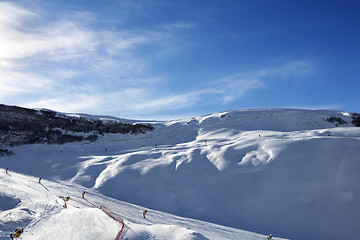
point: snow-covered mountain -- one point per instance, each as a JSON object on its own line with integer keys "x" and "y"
{"x": 292, "y": 173}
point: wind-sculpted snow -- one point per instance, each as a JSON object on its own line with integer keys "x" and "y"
{"x": 292, "y": 173}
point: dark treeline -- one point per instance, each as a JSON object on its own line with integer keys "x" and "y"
{"x": 26, "y": 126}
{"x": 336, "y": 120}
{"x": 339, "y": 121}
{"x": 356, "y": 119}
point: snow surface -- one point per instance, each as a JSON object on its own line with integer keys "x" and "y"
{"x": 39, "y": 209}
{"x": 281, "y": 171}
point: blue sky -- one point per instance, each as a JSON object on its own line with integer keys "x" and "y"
{"x": 165, "y": 59}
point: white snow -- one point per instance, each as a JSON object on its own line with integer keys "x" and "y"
{"x": 281, "y": 171}
{"x": 86, "y": 223}
{"x": 39, "y": 209}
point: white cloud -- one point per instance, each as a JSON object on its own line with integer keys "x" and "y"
{"x": 235, "y": 86}
{"x": 24, "y": 35}
{"x": 38, "y": 54}
{"x": 113, "y": 42}
{"x": 179, "y": 26}
{"x": 294, "y": 70}
{"x": 14, "y": 84}
{"x": 11, "y": 14}
{"x": 71, "y": 102}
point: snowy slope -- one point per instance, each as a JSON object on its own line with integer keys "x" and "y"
{"x": 281, "y": 171}
{"x": 38, "y": 209}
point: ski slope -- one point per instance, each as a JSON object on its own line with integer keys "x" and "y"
{"x": 282, "y": 171}
{"x": 39, "y": 209}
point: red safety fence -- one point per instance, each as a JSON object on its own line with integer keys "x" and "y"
{"x": 116, "y": 218}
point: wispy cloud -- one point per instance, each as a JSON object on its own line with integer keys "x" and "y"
{"x": 233, "y": 87}
{"x": 179, "y": 26}
{"x": 24, "y": 36}
{"x": 43, "y": 56}
{"x": 297, "y": 69}
{"x": 147, "y": 100}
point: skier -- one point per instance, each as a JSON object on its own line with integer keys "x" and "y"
{"x": 144, "y": 213}
{"x": 40, "y": 180}
{"x": 7, "y": 170}
{"x": 269, "y": 237}
{"x": 17, "y": 233}
{"x": 83, "y": 195}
